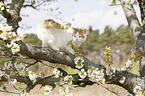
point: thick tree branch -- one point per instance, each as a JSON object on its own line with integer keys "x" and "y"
{"x": 53, "y": 56}
{"x": 129, "y": 83}
{"x": 132, "y": 19}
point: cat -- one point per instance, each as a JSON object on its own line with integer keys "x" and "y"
{"x": 57, "y": 36}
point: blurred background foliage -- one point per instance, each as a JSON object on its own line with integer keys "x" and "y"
{"x": 32, "y": 39}
{"x": 120, "y": 40}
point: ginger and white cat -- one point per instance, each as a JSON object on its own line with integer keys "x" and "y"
{"x": 57, "y": 36}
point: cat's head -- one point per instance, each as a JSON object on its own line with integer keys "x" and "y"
{"x": 81, "y": 32}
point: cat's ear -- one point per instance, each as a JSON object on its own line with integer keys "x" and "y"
{"x": 87, "y": 32}
{"x": 68, "y": 25}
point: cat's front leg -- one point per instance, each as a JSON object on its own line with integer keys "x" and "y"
{"x": 44, "y": 43}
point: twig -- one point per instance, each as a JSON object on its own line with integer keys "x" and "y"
{"x": 32, "y": 64}
{"x": 9, "y": 92}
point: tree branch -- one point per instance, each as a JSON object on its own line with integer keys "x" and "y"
{"x": 132, "y": 19}
{"x": 30, "y": 5}
{"x": 33, "y": 4}
{"x": 5, "y": 13}
{"x": 13, "y": 16}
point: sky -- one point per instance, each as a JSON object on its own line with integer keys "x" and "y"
{"x": 95, "y": 13}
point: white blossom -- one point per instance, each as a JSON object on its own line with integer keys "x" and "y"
{"x": 11, "y": 35}
{"x": 32, "y": 76}
{"x": 66, "y": 90}
{"x": 68, "y": 79}
{"x": 136, "y": 89}
{"x": 14, "y": 47}
{"x": 2, "y": 73}
{"x": 129, "y": 65}
{"x": 7, "y": 34}
{"x": 140, "y": 82}
{"x": 102, "y": 80}
{"x": 139, "y": 88}
{"x": 8, "y": 64}
{"x": 4, "y": 36}
{"x": 123, "y": 69}
{"x": 20, "y": 67}
{"x": 96, "y": 75}
{"x": 65, "y": 86}
{"x": 17, "y": 38}
{"x": 110, "y": 70}
{"x": 2, "y": 6}
{"x": 7, "y": 28}
{"x": 3, "y": 86}
{"x": 13, "y": 82}
{"x": 79, "y": 61}
{"x": 82, "y": 74}
{"x": 47, "y": 90}
{"x": 1, "y": 27}
{"x": 56, "y": 72}
{"x": 122, "y": 80}
{"x": 24, "y": 94}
